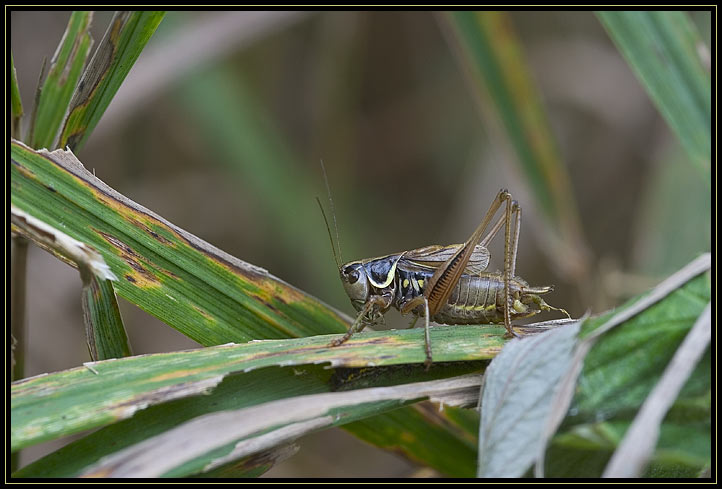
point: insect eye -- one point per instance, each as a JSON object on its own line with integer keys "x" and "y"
{"x": 353, "y": 276}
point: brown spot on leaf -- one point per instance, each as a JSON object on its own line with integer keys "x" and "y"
{"x": 142, "y": 277}
{"x": 24, "y": 170}
{"x": 202, "y": 312}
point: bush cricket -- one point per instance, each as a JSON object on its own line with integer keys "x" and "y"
{"x": 444, "y": 284}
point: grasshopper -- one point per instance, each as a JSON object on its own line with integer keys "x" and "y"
{"x": 445, "y": 284}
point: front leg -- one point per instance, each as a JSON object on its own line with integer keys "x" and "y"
{"x": 409, "y": 306}
{"x": 373, "y": 304}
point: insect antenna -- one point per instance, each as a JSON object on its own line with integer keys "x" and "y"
{"x": 330, "y": 236}
{"x": 337, "y": 257}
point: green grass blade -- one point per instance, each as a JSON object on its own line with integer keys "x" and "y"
{"x": 204, "y": 293}
{"x": 665, "y": 50}
{"x": 16, "y": 103}
{"x": 248, "y": 427}
{"x": 50, "y": 406}
{"x": 493, "y": 55}
{"x": 258, "y": 386}
{"x": 58, "y": 87}
{"x": 104, "y": 328}
{"x": 125, "y": 38}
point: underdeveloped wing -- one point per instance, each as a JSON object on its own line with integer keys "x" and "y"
{"x": 432, "y": 257}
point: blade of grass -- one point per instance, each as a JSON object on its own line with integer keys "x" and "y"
{"x": 62, "y": 403}
{"x": 666, "y": 52}
{"x": 66, "y": 67}
{"x": 490, "y": 51}
{"x": 258, "y": 386}
{"x": 18, "y": 275}
{"x": 204, "y": 293}
{"x": 104, "y": 328}
{"x": 125, "y": 38}
{"x": 16, "y": 103}
{"x": 161, "y": 455}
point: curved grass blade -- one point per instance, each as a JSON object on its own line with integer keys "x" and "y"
{"x": 204, "y": 293}
{"x": 666, "y": 52}
{"x": 50, "y": 406}
{"x": 58, "y": 87}
{"x": 256, "y": 387}
{"x": 105, "y": 332}
{"x": 490, "y": 51}
{"x": 287, "y": 418}
{"x": 16, "y": 103}
{"x": 125, "y": 38}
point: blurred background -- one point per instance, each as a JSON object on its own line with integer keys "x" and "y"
{"x": 222, "y": 123}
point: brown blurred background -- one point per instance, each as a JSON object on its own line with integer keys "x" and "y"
{"x": 221, "y": 125}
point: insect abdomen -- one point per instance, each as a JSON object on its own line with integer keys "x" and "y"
{"x": 476, "y": 299}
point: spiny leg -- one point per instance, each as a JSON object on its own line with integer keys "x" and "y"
{"x": 358, "y": 324}
{"x": 410, "y": 306}
{"x": 446, "y": 277}
{"x": 427, "y": 338}
{"x": 511, "y": 245}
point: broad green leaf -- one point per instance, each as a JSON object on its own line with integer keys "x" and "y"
{"x": 59, "y": 404}
{"x": 16, "y": 103}
{"x": 125, "y": 38}
{"x": 58, "y": 87}
{"x": 204, "y": 293}
{"x": 517, "y": 398}
{"x": 666, "y": 52}
{"x": 493, "y": 55}
{"x": 626, "y": 363}
{"x": 619, "y": 373}
{"x": 635, "y": 450}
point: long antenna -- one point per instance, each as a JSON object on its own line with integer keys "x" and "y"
{"x": 330, "y": 237}
{"x": 339, "y": 257}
